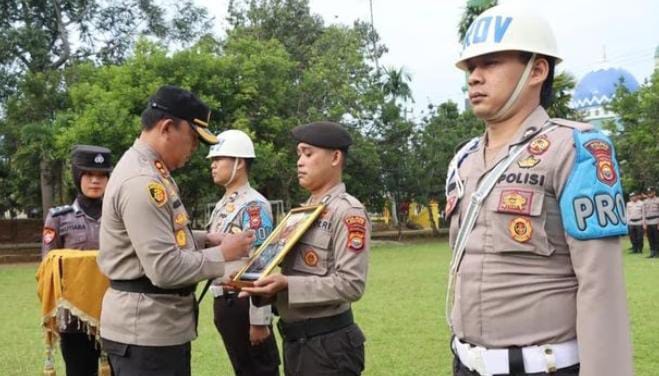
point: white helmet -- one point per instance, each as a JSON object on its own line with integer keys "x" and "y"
{"x": 232, "y": 143}
{"x": 508, "y": 27}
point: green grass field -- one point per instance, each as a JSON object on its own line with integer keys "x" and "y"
{"x": 401, "y": 315}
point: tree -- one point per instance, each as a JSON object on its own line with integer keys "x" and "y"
{"x": 635, "y": 133}
{"x": 443, "y": 130}
{"x": 40, "y": 40}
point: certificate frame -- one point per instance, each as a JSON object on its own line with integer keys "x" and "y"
{"x": 277, "y": 245}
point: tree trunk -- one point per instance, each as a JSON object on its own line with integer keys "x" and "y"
{"x": 433, "y": 225}
{"x": 47, "y": 186}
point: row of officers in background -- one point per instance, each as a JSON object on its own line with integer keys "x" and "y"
{"x": 643, "y": 219}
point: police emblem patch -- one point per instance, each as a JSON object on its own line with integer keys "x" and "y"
{"x": 254, "y": 212}
{"x": 520, "y": 229}
{"x": 48, "y": 235}
{"x": 515, "y": 201}
{"x": 539, "y": 145}
{"x": 602, "y": 152}
{"x": 231, "y": 207}
{"x": 356, "y": 232}
{"x": 99, "y": 159}
{"x": 157, "y": 193}
{"x": 528, "y": 162}
{"x": 310, "y": 257}
{"x": 181, "y": 238}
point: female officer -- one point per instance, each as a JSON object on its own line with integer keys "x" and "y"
{"x": 76, "y": 226}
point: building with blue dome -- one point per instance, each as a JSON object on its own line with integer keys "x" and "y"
{"x": 596, "y": 89}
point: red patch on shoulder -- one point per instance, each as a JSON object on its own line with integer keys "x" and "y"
{"x": 602, "y": 152}
{"x": 48, "y": 235}
{"x": 254, "y": 217}
{"x": 450, "y": 206}
{"x": 356, "y": 232}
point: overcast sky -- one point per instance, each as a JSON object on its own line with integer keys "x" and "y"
{"x": 421, "y": 36}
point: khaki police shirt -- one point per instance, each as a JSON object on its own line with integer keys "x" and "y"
{"x": 72, "y": 229}
{"x": 523, "y": 281}
{"x": 651, "y": 211}
{"x": 327, "y": 268}
{"x": 145, "y": 232}
{"x": 635, "y": 213}
{"x": 69, "y": 227}
{"x": 242, "y": 210}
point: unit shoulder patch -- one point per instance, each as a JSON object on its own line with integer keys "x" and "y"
{"x": 356, "y": 232}
{"x": 48, "y": 235}
{"x": 157, "y": 193}
{"x": 592, "y": 204}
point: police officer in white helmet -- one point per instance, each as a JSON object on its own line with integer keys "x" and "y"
{"x": 246, "y": 330}
{"x": 536, "y": 213}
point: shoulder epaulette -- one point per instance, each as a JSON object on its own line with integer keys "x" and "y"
{"x": 60, "y": 210}
{"x": 572, "y": 124}
{"x": 352, "y": 200}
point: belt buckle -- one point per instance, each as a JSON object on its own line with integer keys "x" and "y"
{"x": 550, "y": 358}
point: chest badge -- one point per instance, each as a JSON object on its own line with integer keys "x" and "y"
{"x": 520, "y": 229}
{"x": 231, "y": 207}
{"x": 310, "y": 257}
{"x": 601, "y": 150}
{"x": 181, "y": 238}
{"x": 539, "y": 145}
{"x": 157, "y": 193}
{"x": 515, "y": 201}
{"x": 528, "y": 162}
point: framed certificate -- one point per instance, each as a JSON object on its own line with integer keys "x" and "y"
{"x": 277, "y": 245}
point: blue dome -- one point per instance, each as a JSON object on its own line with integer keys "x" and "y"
{"x": 598, "y": 87}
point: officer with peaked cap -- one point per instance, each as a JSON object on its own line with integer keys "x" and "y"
{"x": 536, "y": 213}
{"x": 148, "y": 250}
{"x": 246, "y": 330}
{"x": 76, "y": 226}
{"x": 326, "y": 270}
{"x": 651, "y": 224}
{"x": 635, "y": 220}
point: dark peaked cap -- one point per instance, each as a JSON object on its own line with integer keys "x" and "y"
{"x": 323, "y": 134}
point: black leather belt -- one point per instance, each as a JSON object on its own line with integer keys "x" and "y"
{"x": 143, "y": 285}
{"x": 314, "y": 327}
{"x": 653, "y": 217}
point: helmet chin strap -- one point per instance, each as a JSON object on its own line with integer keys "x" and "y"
{"x": 504, "y": 111}
{"x": 233, "y": 172}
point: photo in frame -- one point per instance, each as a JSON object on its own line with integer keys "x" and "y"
{"x": 277, "y": 245}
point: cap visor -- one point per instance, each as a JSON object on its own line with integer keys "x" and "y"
{"x": 205, "y": 136}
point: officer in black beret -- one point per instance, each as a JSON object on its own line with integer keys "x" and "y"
{"x": 76, "y": 226}
{"x": 148, "y": 250}
{"x": 325, "y": 272}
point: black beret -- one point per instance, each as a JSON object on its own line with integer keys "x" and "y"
{"x": 185, "y": 105}
{"x": 91, "y": 158}
{"x": 323, "y": 134}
